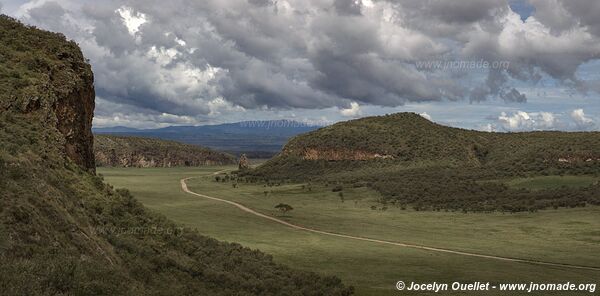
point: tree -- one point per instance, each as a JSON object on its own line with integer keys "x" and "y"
{"x": 284, "y": 208}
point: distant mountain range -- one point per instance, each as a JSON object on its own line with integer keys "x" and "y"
{"x": 257, "y": 139}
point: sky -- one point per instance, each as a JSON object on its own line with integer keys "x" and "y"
{"x": 491, "y": 65}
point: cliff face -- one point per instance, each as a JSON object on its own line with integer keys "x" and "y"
{"x": 119, "y": 151}
{"x": 74, "y": 114}
{"x": 47, "y": 77}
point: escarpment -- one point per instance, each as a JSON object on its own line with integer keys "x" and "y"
{"x": 74, "y": 114}
{"x": 119, "y": 151}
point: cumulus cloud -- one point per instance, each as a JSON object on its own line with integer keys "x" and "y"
{"x": 353, "y": 111}
{"x": 523, "y": 121}
{"x": 132, "y": 20}
{"x": 487, "y": 128}
{"x": 581, "y": 120}
{"x": 575, "y": 120}
{"x": 187, "y": 57}
{"x": 426, "y": 116}
{"x": 518, "y": 121}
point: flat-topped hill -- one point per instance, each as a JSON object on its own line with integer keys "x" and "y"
{"x": 123, "y": 151}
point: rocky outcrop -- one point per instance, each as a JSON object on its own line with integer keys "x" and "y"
{"x": 47, "y": 78}
{"x": 74, "y": 114}
{"x": 243, "y": 164}
{"x": 120, "y": 151}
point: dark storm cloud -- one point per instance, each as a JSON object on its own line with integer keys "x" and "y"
{"x": 347, "y": 7}
{"x": 179, "y": 56}
{"x": 466, "y": 11}
{"x": 111, "y": 33}
{"x": 49, "y": 13}
{"x": 587, "y": 11}
{"x": 561, "y": 15}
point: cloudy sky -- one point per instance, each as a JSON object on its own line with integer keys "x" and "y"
{"x": 503, "y": 65}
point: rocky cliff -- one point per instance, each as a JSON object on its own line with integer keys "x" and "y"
{"x": 74, "y": 120}
{"x": 146, "y": 152}
{"x": 50, "y": 80}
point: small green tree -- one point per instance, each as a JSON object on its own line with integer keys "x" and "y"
{"x": 284, "y": 208}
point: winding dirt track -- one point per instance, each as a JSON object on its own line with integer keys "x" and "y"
{"x": 420, "y": 247}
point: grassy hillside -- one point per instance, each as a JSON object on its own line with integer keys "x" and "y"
{"x": 65, "y": 232}
{"x": 409, "y": 137}
{"x": 414, "y": 162}
{"x": 146, "y": 152}
{"x": 400, "y": 137}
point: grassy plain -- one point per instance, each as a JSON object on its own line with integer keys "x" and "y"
{"x": 566, "y": 236}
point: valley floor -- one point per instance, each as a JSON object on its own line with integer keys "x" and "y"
{"x": 567, "y": 236}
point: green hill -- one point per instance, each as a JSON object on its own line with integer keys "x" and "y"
{"x": 147, "y": 152}
{"x": 65, "y": 232}
{"x": 415, "y": 162}
{"x": 408, "y": 137}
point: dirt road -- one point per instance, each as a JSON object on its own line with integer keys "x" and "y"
{"x": 420, "y": 247}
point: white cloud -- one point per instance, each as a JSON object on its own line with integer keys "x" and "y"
{"x": 368, "y": 3}
{"x": 517, "y": 121}
{"x": 143, "y": 120}
{"x": 576, "y": 120}
{"x": 220, "y": 105}
{"x": 581, "y": 120}
{"x": 523, "y": 121}
{"x": 487, "y": 128}
{"x": 426, "y": 116}
{"x": 546, "y": 120}
{"x": 132, "y": 20}
{"x": 353, "y": 111}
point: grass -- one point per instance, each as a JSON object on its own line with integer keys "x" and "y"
{"x": 566, "y": 235}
